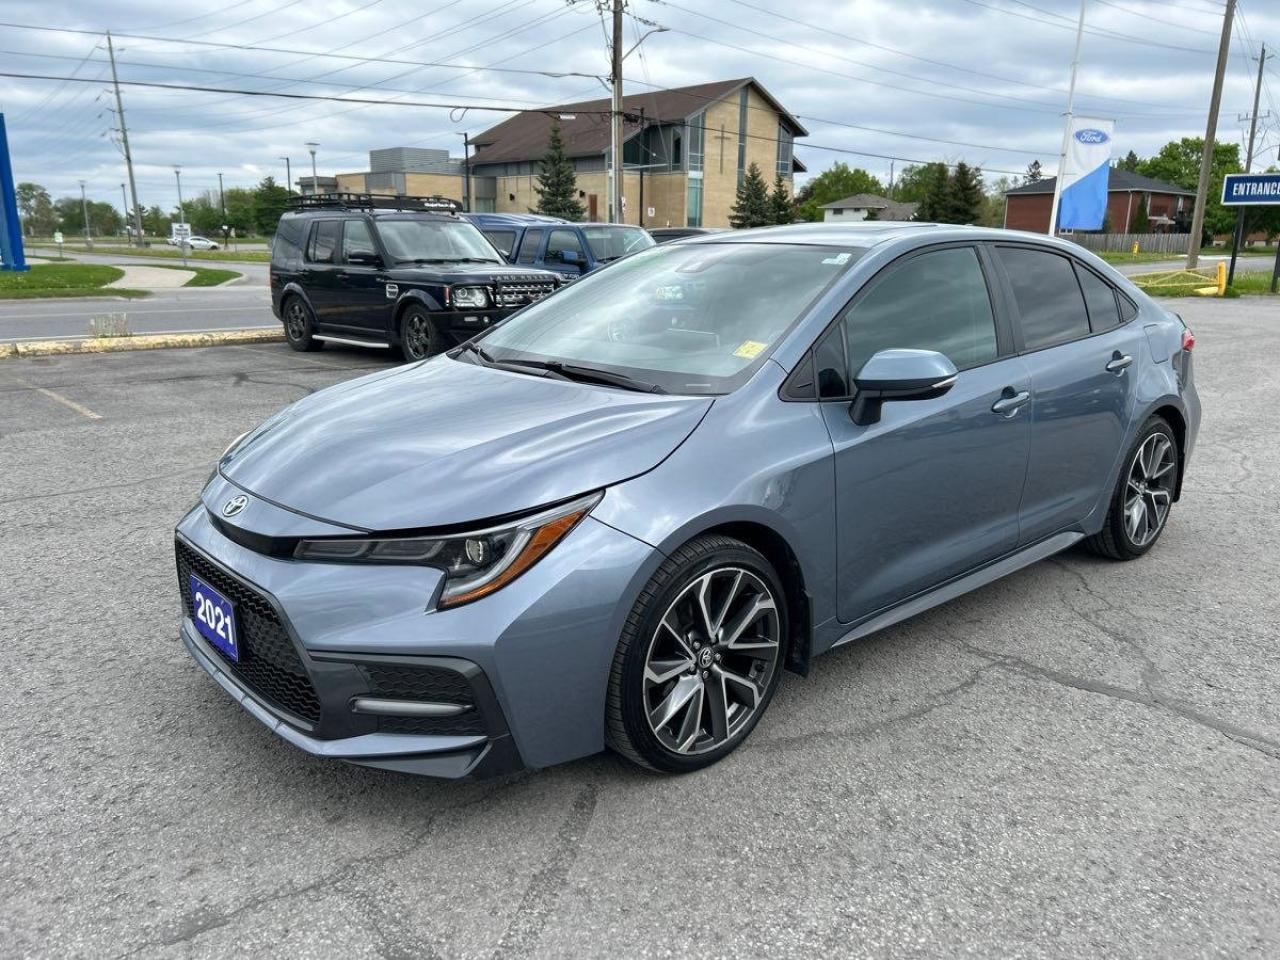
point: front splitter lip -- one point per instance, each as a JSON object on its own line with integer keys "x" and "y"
{"x": 366, "y": 748}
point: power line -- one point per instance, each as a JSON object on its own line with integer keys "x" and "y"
{"x": 1147, "y": 17}
{"x": 1093, "y": 31}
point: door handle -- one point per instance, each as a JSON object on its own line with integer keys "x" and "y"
{"x": 1118, "y": 362}
{"x": 1010, "y": 402}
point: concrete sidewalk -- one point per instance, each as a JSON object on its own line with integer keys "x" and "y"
{"x": 138, "y": 277}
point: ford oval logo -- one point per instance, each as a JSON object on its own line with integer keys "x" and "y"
{"x": 234, "y": 505}
{"x": 1092, "y": 135}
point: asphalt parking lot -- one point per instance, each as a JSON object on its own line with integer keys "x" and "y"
{"x": 1080, "y": 760}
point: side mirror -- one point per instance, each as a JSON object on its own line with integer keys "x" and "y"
{"x": 899, "y": 375}
{"x": 571, "y": 257}
{"x": 365, "y": 258}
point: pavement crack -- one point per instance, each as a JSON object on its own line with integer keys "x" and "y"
{"x": 97, "y": 488}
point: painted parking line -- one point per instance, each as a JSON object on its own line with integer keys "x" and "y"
{"x": 59, "y": 398}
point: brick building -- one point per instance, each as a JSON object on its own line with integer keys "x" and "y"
{"x": 1168, "y": 206}
{"x": 685, "y": 150}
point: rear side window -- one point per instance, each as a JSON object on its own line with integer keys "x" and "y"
{"x": 1100, "y": 298}
{"x": 324, "y": 241}
{"x": 504, "y": 240}
{"x": 287, "y": 241}
{"x": 934, "y": 301}
{"x": 529, "y": 246}
{"x": 1050, "y": 305}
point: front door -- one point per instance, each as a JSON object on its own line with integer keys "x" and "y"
{"x": 1082, "y": 361}
{"x": 362, "y": 283}
{"x": 933, "y": 489}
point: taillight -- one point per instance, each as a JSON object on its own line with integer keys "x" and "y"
{"x": 1188, "y": 340}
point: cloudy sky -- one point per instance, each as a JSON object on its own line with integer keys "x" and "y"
{"x": 978, "y": 80}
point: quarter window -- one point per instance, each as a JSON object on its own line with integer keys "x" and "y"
{"x": 1099, "y": 298}
{"x": 934, "y": 301}
{"x": 1050, "y": 305}
{"x": 324, "y": 241}
{"x": 356, "y": 239}
{"x": 529, "y": 246}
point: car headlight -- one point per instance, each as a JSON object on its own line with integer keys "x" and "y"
{"x": 470, "y": 298}
{"x": 475, "y": 563}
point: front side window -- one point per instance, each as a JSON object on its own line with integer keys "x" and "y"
{"x": 1050, "y": 305}
{"x": 933, "y": 301}
{"x": 324, "y": 241}
{"x": 435, "y": 241}
{"x": 356, "y": 239}
{"x": 609, "y": 242}
{"x": 504, "y": 240}
{"x": 560, "y": 241}
{"x": 694, "y": 319}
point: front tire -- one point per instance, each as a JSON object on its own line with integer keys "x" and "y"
{"x": 419, "y": 337}
{"x": 699, "y": 658}
{"x": 1143, "y": 498}
{"x": 299, "y": 325}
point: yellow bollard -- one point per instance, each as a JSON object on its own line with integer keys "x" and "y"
{"x": 1222, "y": 278}
{"x": 1135, "y": 248}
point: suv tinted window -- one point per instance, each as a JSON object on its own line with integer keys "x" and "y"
{"x": 1049, "y": 301}
{"x": 504, "y": 240}
{"x": 356, "y": 239}
{"x": 561, "y": 240}
{"x": 1099, "y": 298}
{"x": 287, "y": 241}
{"x": 934, "y": 301}
{"x": 324, "y": 241}
{"x": 529, "y": 246}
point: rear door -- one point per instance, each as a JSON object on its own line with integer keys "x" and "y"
{"x": 320, "y": 270}
{"x": 933, "y": 489}
{"x": 1082, "y": 364}
{"x": 362, "y": 286}
{"x": 564, "y": 239}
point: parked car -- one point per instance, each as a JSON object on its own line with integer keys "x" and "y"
{"x": 570, "y": 249}
{"x": 194, "y": 243}
{"x": 667, "y": 234}
{"x": 391, "y": 272}
{"x": 617, "y": 517}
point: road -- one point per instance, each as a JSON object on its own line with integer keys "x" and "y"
{"x": 1243, "y": 264}
{"x": 1077, "y": 761}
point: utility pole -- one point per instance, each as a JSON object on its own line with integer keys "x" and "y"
{"x": 125, "y": 200}
{"x": 222, "y": 199}
{"x": 1210, "y": 138}
{"x": 182, "y": 215}
{"x": 288, "y": 175}
{"x": 1248, "y": 163}
{"x": 466, "y": 171}
{"x": 124, "y": 142}
{"x": 84, "y": 211}
{"x": 615, "y": 119}
{"x": 1066, "y": 129}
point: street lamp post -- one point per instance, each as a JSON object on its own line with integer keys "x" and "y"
{"x": 182, "y": 216}
{"x": 84, "y": 211}
{"x": 288, "y": 174}
{"x": 312, "y": 148}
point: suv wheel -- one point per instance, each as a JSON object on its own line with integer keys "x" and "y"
{"x": 1143, "y": 496}
{"x": 419, "y": 337}
{"x": 699, "y": 658}
{"x": 298, "y": 325}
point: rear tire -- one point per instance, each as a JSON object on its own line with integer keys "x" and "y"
{"x": 299, "y": 325}
{"x": 1143, "y": 497}
{"x": 419, "y": 338}
{"x": 699, "y": 658}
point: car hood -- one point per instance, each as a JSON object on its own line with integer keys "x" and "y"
{"x": 464, "y": 272}
{"x": 446, "y": 442}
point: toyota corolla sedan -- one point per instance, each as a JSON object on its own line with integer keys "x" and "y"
{"x": 616, "y": 518}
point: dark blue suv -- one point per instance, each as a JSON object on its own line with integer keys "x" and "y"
{"x": 570, "y": 249}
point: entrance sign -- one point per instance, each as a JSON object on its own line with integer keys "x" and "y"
{"x": 1251, "y": 189}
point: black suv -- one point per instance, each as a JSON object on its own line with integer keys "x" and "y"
{"x": 399, "y": 272}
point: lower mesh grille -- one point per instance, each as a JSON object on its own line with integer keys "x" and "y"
{"x": 269, "y": 664}
{"x": 431, "y": 684}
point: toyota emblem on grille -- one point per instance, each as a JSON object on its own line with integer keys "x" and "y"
{"x": 234, "y": 505}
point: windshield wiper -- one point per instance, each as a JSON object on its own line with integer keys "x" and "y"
{"x": 479, "y": 351}
{"x": 572, "y": 371}
{"x": 447, "y": 260}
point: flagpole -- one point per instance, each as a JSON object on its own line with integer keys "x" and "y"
{"x": 1066, "y": 131}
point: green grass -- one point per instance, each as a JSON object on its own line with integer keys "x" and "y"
{"x": 64, "y": 280}
{"x": 204, "y": 276}
{"x": 1248, "y": 284}
{"x": 164, "y": 253}
{"x": 1112, "y": 256}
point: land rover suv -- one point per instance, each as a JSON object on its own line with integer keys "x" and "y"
{"x": 402, "y": 273}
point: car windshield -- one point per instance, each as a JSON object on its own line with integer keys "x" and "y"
{"x": 609, "y": 243}
{"x": 691, "y": 318}
{"x": 435, "y": 241}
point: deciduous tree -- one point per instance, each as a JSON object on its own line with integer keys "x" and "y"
{"x": 835, "y": 183}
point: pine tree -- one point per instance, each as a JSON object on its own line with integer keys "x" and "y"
{"x": 1033, "y": 172}
{"x": 933, "y": 202}
{"x": 1141, "y": 222}
{"x": 781, "y": 208}
{"x": 1130, "y": 162}
{"x": 557, "y": 187}
{"x": 751, "y": 208}
{"x": 964, "y": 196}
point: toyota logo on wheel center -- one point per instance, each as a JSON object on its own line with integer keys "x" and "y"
{"x": 234, "y": 505}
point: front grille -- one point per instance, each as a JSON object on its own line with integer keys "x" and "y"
{"x": 269, "y": 663}
{"x": 519, "y": 294}
{"x": 433, "y": 684}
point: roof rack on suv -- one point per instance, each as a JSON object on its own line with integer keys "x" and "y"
{"x": 371, "y": 201}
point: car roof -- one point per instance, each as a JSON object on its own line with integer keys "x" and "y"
{"x": 868, "y": 234}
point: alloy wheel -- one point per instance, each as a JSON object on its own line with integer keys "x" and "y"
{"x": 711, "y": 660}
{"x": 417, "y": 335}
{"x": 1149, "y": 490}
{"x": 296, "y": 320}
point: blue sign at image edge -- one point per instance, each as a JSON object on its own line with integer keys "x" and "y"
{"x": 1251, "y": 189}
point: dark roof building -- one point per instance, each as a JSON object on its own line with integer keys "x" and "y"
{"x": 1027, "y": 207}
{"x": 867, "y": 206}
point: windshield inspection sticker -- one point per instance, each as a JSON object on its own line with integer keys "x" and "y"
{"x": 838, "y": 260}
{"x": 750, "y": 349}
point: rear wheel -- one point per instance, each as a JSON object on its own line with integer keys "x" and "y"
{"x": 699, "y": 658}
{"x": 1143, "y": 496}
{"x": 419, "y": 337}
{"x": 299, "y": 326}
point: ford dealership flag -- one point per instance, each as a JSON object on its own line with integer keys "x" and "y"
{"x": 1084, "y": 187}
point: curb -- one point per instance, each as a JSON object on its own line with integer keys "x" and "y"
{"x": 57, "y": 348}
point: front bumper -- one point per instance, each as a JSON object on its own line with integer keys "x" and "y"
{"x": 531, "y": 661}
